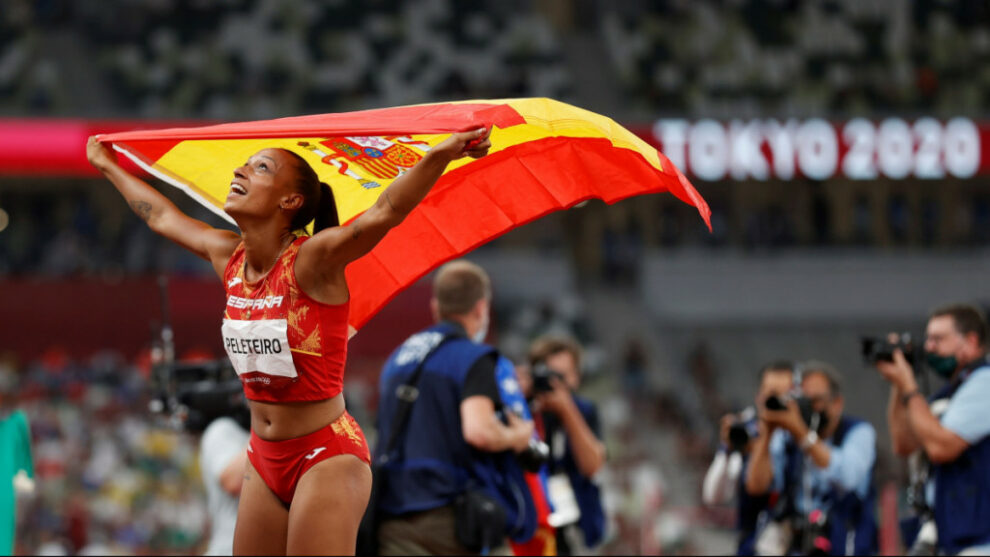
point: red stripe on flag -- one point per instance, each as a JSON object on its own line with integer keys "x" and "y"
{"x": 403, "y": 120}
{"x": 149, "y": 151}
{"x": 480, "y": 201}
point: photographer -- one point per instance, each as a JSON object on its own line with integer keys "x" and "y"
{"x": 215, "y": 408}
{"x": 738, "y": 433}
{"x": 819, "y": 464}
{"x": 223, "y": 455}
{"x": 569, "y": 424}
{"x": 447, "y": 480}
{"x": 958, "y": 444}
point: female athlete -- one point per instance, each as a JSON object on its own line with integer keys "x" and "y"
{"x": 307, "y": 480}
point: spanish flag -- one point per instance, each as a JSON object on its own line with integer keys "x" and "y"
{"x": 545, "y": 156}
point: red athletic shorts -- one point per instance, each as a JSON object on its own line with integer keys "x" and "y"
{"x": 281, "y": 463}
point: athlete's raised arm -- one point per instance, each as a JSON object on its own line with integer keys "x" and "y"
{"x": 212, "y": 244}
{"x": 330, "y": 250}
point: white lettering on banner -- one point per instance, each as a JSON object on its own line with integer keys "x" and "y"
{"x": 962, "y": 148}
{"x": 747, "y": 160}
{"x": 860, "y": 136}
{"x": 708, "y": 150}
{"x": 895, "y": 148}
{"x": 817, "y": 149}
{"x": 781, "y": 139}
{"x": 259, "y": 346}
{"x": 859, "y": 149}
{"x": 927, "y": 159}
{"x": 673, "y": 135}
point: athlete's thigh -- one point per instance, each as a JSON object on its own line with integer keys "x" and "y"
{"x": 327, "y": 507}
{"x": 262, "y": 520}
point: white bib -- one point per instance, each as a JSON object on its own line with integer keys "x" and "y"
{"x": 259, "y": 346}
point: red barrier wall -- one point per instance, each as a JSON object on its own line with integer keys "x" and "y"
{"x": 83, "y": 316}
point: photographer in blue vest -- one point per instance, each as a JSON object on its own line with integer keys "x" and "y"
{"x": 569, "y": 424}
{"x": 817, "y": 465}
{"x": 958, "y": 444}
{"x": 447, "y": 480}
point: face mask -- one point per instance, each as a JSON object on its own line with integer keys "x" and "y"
{"x": 944, "y": 366}
{"x": 481, "y": 333}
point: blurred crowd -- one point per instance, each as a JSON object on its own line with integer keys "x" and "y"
{"x": 746, "y": 58}
{"x": 225, "y": 59}
{"x": 86, "y": 230}
{"x": 83, "y": 232}
{"x": 232, "y": 59}
{"x": 111, "y": 479}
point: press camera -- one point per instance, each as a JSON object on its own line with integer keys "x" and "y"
{"x": 813, "y": 419}
{"x": 881, "y": 349}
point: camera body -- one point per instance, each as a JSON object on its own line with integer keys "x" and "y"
{"x": 534, "y": 456}
{"x": 813, "y": 419}
{"x": 881, "y": 349}
{"x": 543, "y": 378}
{"x": 744, "y": 429}
{"x": 191, "y": 395}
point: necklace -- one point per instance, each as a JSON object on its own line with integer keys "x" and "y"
{"x": 263, "y": 276}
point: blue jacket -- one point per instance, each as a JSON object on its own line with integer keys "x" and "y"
{"x": 848, "y": 512}
{"x": 432, "y": 464}
{"x": 962, "y": 490}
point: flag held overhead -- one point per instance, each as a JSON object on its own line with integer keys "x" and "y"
{"x": 545, "y": 156}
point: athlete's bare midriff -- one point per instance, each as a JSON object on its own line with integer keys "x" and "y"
{"x": 278, "y": 421}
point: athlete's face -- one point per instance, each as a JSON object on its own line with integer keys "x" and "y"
{"x": 263, "y": 186}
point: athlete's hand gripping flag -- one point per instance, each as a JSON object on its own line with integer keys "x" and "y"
{"x": 545, "y": 156}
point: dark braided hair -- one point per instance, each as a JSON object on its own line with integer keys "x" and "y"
{"x": 319, "y": 204}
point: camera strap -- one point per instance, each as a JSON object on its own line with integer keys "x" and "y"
{"x": 407, "y": 393}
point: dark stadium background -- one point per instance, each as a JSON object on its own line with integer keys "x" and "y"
{"x": 844, "y": 147}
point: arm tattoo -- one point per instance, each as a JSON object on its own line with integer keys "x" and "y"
{"x": 388, "y": 198}
{"x": 142, "y": 208}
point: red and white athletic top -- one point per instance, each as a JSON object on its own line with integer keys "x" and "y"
{"x": 284, "y": 345}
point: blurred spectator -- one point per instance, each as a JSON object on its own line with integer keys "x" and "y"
{"x": 109, "y": 480}
{"x": 222, "y": 462}
{"x": 16, "y": 471}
